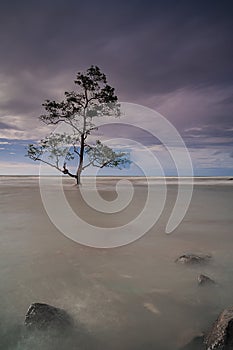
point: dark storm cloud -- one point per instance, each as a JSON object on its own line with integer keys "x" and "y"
{"x": 147, "y": 49}
{"x": 227, "y": 100}
{"x": 154, "y": 45}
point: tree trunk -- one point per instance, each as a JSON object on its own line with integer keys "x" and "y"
{"x": 80, "y": 166}
{"x": 78, "y": 178}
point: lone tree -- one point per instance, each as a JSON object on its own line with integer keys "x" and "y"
{"x": 93, "y": 98}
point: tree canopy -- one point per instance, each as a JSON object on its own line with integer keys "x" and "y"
{"x": 93, "y": 98}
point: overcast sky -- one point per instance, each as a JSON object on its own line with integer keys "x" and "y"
{"x": 173, "y": 56}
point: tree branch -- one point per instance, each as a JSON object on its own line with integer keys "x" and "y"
{"x": 50, "y": 164}
{"x": 76, "y": 151}
{"x": 66, "y": 171}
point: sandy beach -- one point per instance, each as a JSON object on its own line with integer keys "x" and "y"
{"x": 131, "y": 298}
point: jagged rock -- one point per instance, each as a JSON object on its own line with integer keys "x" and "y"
{"x": 204, "y": 280}
{"x": 193, "y": 259}
{"x": 220, "y": 337}
{"x": 44, "y": 316}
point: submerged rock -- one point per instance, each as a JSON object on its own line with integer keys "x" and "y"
{"x": 44, "y": 316}
{"x": 220, "y": 337}
{"x": 204, "y": 280}
{"x": 192, "y": 259}
{"x": 195, "y": 344}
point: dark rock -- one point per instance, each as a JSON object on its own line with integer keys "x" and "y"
{"x": 43, "y": 316}
{"x": 204, "y": 280}
{"x": 230, "y": 179}
{"x": 193, "y": 259}
{"x": 220, "y": 337}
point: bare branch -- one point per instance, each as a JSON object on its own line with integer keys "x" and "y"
{"x": 66, "y": 171}
{"x": 76, "y": 151}
{"x": 48, "y": 163}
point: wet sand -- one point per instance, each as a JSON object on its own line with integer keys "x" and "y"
{"x": 132, "y": 297}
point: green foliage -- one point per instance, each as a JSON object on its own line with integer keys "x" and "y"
{"x": 101, "y": 156}
{"x": 94, "y": 98}
{"x": 55, "y": 146}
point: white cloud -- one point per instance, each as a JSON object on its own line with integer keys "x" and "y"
{"x": 36, "y": 130}
{"x": 210, "y": 158}
{"x": 193, "y": 129}
{"x": 17, "y": 168}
